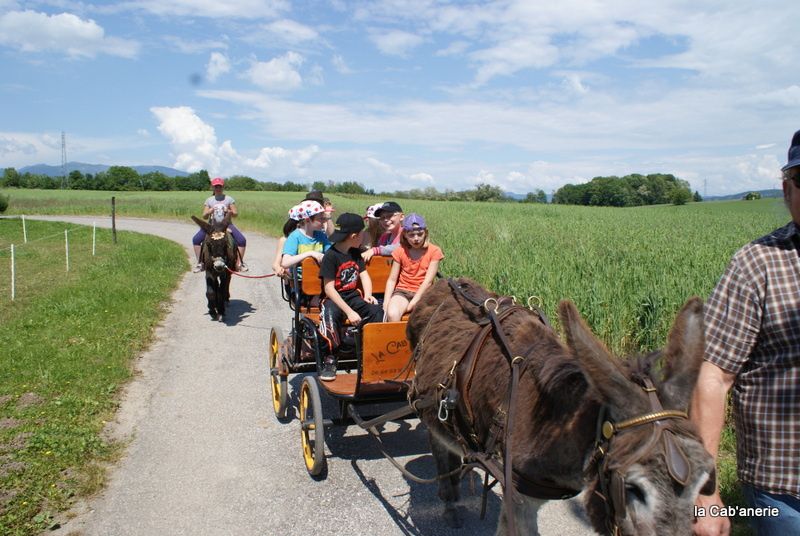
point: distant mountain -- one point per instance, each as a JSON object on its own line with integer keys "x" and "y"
{"x": 55, "y": 171}
{"x": 764, "y": 193}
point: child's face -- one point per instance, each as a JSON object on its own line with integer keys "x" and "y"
{"x": 416, "y": 237}
{"x": 317, "y": 221}
{"x": 390, "y": 222}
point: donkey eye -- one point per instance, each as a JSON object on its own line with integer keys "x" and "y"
{"x": 635, "y": 493}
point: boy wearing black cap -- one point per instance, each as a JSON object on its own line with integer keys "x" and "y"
{"x": 341, "y": 269}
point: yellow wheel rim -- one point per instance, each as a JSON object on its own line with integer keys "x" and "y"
{"x": 274, "y": 378}
{"x": 306, "y": 426}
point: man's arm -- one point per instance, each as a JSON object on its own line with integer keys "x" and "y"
{"x": 707, "y": 412}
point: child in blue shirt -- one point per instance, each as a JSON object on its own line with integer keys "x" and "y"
{"x": 308, "y": 240}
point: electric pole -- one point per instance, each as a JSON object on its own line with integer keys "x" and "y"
{"x": 64, "y": 177}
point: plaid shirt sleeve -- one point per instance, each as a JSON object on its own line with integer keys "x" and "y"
{"x": 733, "y": 316}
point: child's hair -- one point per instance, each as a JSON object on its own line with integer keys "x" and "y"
{"x": 374, "y": 232}
{"x": 406, "y": 244}
{"x": 289, "y": 226}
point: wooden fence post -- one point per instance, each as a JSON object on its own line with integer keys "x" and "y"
{"x": 114, "y": 218}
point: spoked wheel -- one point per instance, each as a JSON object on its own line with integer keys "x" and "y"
{"x": 278, "y": 383}
{"x": 312, "y": 429}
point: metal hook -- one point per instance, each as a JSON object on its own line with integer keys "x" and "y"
{"x": 537, "y": 300}
{"x": 488, "y": 301}
{"x": 443, "y": 413}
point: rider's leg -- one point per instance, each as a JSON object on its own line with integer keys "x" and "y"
{"x": 241, "y": 243}
{"x": 197, "y": 240}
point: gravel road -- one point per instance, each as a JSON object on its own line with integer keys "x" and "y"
{"x": 206, "y": 455}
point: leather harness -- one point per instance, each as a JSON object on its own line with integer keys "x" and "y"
{"x": 497, "y": 462}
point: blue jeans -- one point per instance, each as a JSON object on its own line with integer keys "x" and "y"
{"x": 787, "y": 522}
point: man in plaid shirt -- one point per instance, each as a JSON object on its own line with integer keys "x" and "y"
{"x": 753, "y": 345}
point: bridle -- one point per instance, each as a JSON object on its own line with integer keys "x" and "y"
{"x": 455, "y": 387}
{"x": 217, "y": 236}
{"x": 610, "y": 472}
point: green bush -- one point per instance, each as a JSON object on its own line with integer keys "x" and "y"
{"x": 4, "y": 202}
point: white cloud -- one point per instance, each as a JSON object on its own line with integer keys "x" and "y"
{"x": 278, "y": 74}
{"x": 30, "y": 31}
{"x": 425, "y": 178}
{"x": 194, "y": 47}
{"x": 143, "y": 132}
{"x": 291, "y": 32}
{"x": 217, "y": 65}
{"x": 340, "y": 65}
{"x": 456, "y": 48}
{"x": 395, "y": 42}
{"x": 241, "y": 9}
{"x": 194, "y": 143}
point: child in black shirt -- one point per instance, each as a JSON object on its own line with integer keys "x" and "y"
{"x": 341, "y": 269}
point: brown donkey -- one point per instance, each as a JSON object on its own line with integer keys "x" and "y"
{"x": 576, "y": 419}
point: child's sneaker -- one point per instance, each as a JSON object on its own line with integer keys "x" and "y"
{"x": 198, "y": 267}
{"x": 328, "y": 372}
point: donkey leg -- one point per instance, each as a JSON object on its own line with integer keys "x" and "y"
{"x": 211, "y": 295}
{"x": 449, "y": 487}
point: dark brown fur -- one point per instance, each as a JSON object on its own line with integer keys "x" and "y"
{"x": 217, "y": 255}
{"x": 560, "y": 392}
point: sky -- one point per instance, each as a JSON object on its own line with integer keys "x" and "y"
{"x": 402, "y": 94}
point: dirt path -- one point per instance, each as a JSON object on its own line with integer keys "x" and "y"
{"x": 207, "y": 456}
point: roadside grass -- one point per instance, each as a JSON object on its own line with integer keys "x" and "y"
{"x": 67, "y": 342}
{"x": 628, "y": 270}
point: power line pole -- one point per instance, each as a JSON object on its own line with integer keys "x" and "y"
{"x": 64, "y": 177}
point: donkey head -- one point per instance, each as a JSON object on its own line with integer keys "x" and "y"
{"x": 216, "y": 252}
{"x": 647, "y": 477}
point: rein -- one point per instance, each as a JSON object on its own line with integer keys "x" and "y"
{"x": 234, "y": 272}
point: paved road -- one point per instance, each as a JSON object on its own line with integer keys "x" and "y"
{"x": 206, "y": 455}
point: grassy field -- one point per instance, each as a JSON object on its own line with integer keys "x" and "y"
{"x": 627, "y": 270}
{"x": 67, "y": 348}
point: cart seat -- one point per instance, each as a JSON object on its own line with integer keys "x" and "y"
{"x": 385, "y": 363}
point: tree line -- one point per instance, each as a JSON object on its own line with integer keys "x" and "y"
{"x": 628, "y": 191}
{"x": 631, "y": 190}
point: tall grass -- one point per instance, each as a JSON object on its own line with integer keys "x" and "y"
{"x": 67, "y": 344}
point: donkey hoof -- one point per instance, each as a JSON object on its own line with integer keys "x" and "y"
{"x": 451, "y": 518}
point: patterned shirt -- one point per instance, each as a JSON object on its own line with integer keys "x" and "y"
{"x": 753, "y": 330}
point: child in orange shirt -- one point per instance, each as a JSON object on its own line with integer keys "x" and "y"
{"x": 414, "y": 266}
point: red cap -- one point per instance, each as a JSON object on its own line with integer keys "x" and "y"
{"x": 219, "y": 181}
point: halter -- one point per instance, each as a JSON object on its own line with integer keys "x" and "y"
{"x": 610, "y": 475}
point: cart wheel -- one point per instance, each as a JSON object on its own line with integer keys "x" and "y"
{"x": 312, "y": 429}
{"x": 278, "y": 383}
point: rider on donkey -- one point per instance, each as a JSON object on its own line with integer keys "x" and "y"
{"x": 217, "y": 206}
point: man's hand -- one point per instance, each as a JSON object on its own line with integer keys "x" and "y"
{"x": 709, "y": 525}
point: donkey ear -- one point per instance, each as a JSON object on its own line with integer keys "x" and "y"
{"x": 684, "y": 354}
{"x": 600, "y": 368}
{"x": 226, "y": 220}
{"x": 203, "y": 225}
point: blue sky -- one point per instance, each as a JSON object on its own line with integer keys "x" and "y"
{"x": 402, "y": 94}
